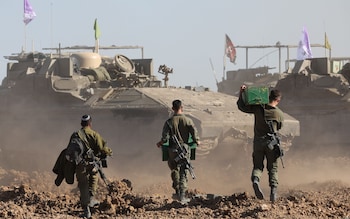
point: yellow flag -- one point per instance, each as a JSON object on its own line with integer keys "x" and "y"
{"x": 97, "y": 30}
{"x": 326, "y": 42}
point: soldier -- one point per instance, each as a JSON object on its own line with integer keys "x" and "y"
{"x": 86, "y": 174}
{"x": 263, "y": 114}
{"x": 183, "y": 127}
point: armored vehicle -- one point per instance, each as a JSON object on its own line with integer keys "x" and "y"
{"x": 315, "y": 92}
{"x": 44, "y": 95}
{"x": 252, "y": 77}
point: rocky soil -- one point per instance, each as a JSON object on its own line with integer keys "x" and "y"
{"x": 311, "y": 186}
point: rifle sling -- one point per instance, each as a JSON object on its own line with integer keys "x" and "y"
{"x": 172, "y": 132}
{"x": 82, "y": 136}
{"x": 269, "y": 123}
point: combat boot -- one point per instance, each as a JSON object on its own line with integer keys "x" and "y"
{"x": 273, "y": 194}
{"x": 183, "y": 198}
{"x": 93, "y": 202}
{"x": 176, "y": 195}
{"x": 258, "y": 193}
{"x": 87, "y": 213}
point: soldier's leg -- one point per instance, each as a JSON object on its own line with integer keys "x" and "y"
{"x": 83, "y": 185}
{"x": 175, "y": 175}
{"x": 272, "y": 167}
{"x": 93, "y": 180}
{"x": 183, "y": 172}
{"x": 184, "y": 179}
{"x": 183, "y": 184}
{"x": 258, "y": 161}
{"x": 258, "y": 167}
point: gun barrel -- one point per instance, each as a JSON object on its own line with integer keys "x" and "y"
{"x": 103, "y": 176}
{"x": 190, "y": 169}
{"x": 282, "y": 161}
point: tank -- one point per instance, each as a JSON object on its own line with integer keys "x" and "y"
{"x": 315, "y": 92}
{"x": 259, "y": 76}
{"x": 44, "y": 95}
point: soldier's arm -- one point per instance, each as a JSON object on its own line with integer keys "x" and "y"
{"x": 242, "y": 106}
{"x": 281, "y": 120}
{"x": 193, "y": 130}
{"x": 165, "y": 135}
{"x": 102, "y": 145}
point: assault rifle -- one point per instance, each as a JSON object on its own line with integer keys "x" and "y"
{"x": 98, "y": 164}
{"x": 182, "y": 152}
{"x": 275, "y": 143}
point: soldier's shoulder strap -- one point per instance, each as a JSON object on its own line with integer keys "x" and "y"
{"x": 82, "y": 136}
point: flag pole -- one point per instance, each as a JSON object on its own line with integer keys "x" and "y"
{"x": 25, "y": 38}
{"x": 97, "y": 46}
{"x": 212, "y": 68}
{"x": 28, "y": 16}
{"x": 224, "y": 61}
{"x": 51, "y": 23}
{"x": 325, "y": 44}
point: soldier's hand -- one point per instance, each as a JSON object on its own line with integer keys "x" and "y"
{"x": 243, "y": 87}
{"x": 159, "y": 144}
{"x": 108, "y": 151}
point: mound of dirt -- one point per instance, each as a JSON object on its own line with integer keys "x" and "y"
{"x": 29, "y": 196}
{"x": 313, "y": 184}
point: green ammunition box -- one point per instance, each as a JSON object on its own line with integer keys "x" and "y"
{"x": 256, "y": 95}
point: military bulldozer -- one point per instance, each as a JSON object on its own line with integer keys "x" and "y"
{"x": 44, "y": 95}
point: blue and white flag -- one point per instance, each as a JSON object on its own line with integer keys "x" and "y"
{"x": 29, "y": 13}
{"x": 304, "y": 48}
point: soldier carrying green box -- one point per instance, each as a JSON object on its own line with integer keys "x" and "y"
{"x": 263, "y": 115}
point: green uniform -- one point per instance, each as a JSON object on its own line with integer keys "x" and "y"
{"x": 183, "y": 128}
{"x": 87, "y": 178}
{"x": 263, "y": 113}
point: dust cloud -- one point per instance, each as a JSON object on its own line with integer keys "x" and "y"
{"x": 33, "y": 142}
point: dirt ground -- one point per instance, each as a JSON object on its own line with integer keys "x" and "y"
{"x": 312, "y": 185}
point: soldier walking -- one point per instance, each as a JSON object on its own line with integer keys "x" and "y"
{"x": 183, "y": 128}
{"x": 264, "y": 114}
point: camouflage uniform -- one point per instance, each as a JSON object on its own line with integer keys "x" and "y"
{"x": 87, "y": 178}
{"x": 263, "y": 113}
{"x": 183, "y": 127}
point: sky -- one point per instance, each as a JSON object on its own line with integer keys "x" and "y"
{"x": 184, "y": 34}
